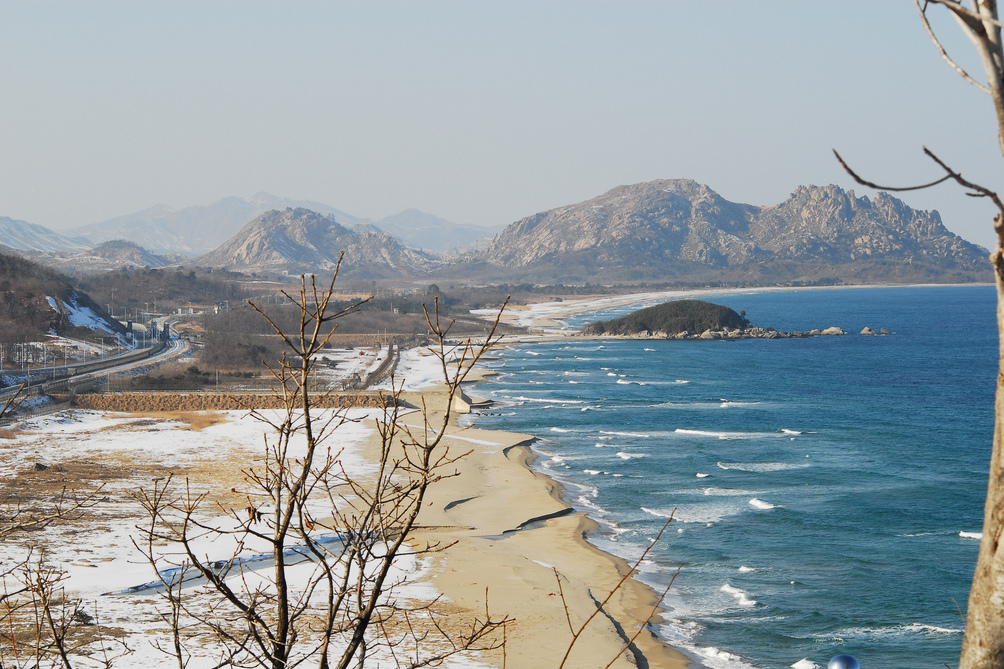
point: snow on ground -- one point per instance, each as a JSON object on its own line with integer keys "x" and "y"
{"x": 81, "y": 316}
{"x": 420, "y": 368}
{"x": 126, "y": 452}
{"x": 339, "y": 365}
{"x": 417, "y": 368}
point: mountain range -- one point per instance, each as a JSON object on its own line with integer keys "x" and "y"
{"x": 667, "y": 231}
{"x": 199, "y": 229}
{"x": 23, "y": 236}
{"x": 192, "y": 230}
{"x": 680, "y": 230}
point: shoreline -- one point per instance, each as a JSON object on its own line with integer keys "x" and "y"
{"x": 510, "y": 529}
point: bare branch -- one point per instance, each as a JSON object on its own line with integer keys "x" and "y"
{"x": 972, "y": 19}
{"x": 870, "y": 184}
{"x": 941, "y": 49}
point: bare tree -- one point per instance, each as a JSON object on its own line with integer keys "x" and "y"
{"x": 983, "y": 644}
{"x": 332, "y": 537}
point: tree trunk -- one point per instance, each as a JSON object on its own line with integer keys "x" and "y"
{"x": 983, "y": 645}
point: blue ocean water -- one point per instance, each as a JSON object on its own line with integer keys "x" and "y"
{"x": 824, "y": 489}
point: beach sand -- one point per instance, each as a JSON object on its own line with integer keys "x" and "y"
{"x": 512, "y": 532}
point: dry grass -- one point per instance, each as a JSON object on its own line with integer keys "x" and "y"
{"x": 196, "y": 421}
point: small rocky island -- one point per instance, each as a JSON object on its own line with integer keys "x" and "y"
{"x": 692, "y": 319}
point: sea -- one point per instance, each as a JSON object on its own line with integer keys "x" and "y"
{"x": 826, "y": 493}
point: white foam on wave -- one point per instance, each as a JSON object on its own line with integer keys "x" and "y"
{"x": 892, "y": 631}
{"x": 643, "y": 435}
{"x": 785, "y": 430}
{"x": 741, "y": 596}
{"x": 971, "y": 535}
{"x": 656, "y": 513}
{"x": 729, "y": 403}
{"x": 624, "y": 383}
{"x": 745, "y": 570}
{"x": 586, "y": 501}
{"x": 725, "y": 435}
{"x": 681, "y": 381}
{"x": 707, "y": 511}
{"x": 760, "y": 466}
{"x": 649, "y": 349}
{"x": 559, "y": 429}
{"x": 611, "y": 374}
{"x": 712, "y": 653}
{"x": 683, "y": 634}
{"x": 702, "y": 476}
{"x": 726, "y": 492}
{"x": 591, "y": 472}
{"x": 630, "y": 456}
{"x": 931, "y": 630}
{"x": 545, "y": 400}
{"x": 805, "y": 663}
{"x": 760, "y": 504}
{"x": 532, "y": 352}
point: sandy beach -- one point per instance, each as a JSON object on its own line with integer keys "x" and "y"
{"x": 512, "y": 532}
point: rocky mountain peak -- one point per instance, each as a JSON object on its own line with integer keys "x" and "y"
{"x": 297, "y": 240}
{"x": 679, "y": 227}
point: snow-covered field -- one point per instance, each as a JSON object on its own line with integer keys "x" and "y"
{"x": 123, "y": 453}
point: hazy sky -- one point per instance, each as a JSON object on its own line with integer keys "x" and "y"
{"x": 479, "y": 112}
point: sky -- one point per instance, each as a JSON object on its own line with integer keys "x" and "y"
{"x": 479, "y": 112}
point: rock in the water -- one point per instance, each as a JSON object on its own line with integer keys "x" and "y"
{"x": 884, "y": 331}
{"x": 833, "y": 331}
{"x": 867, "y": 331}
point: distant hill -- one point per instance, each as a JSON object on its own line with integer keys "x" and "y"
{"x": 301, "y": 240}
{"x": 24, "y": 236}
{"x": 106, "y": 256}
{"x": 36, "y": 301}
{"x": 193, "y": 230}
{"x": 682, "y": 231}
{"x": 426, "y": 231}
{"x": 671, "y": 318}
